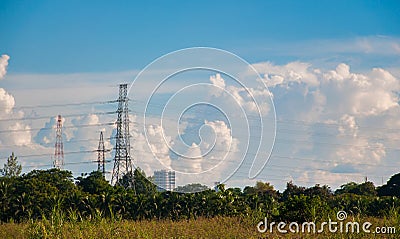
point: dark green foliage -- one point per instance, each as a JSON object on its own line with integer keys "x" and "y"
{"x": 95, "y": 183}
{"x": 292, "y": 190}
{"x": 367, "y": 189}
{"x": 11, "y": 168}
{"x": 301, "y": 208}
{"x": 142, "y": 184}
{"x": 391, "y": 188}
{"x": 323, "y": 192}
{"x": 194, "y": 187}
{"x": 305, "y": 204}
{"x": 34, "y": 194}
{"x": 40, "y": 193}
{"x": 262, "y": 189}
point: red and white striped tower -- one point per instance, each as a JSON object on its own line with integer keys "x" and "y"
{"x": 59, "y": 147}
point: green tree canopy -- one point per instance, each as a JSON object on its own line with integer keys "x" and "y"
{"x": 95, "y": 183}
{"x": 320, "y": 191}
{"x": 193, "y": 187}
{"x": 291, "y": 190}
{"x": 11, "y": 168}
{"x": 367, "y": 189}
{"x": 261, "y": 188}
{"x": 391, "y": 188}
{"x": 142, "y": 184}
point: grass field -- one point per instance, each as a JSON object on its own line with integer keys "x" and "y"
{"x": 219, "y": 227}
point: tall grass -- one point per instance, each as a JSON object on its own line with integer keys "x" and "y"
{"x": 218, "y": 227}
{"x": 72, "y": 225}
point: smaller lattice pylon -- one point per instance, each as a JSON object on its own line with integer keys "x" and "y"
{"x": 101, "y": 161}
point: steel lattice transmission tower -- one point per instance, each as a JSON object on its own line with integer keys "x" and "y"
{"x": 101, "y": 162}
{"x": 58, "y": 161}
{"x": 122, "y": 160}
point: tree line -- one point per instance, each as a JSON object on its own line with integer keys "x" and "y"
{"x": 40, "y": 194}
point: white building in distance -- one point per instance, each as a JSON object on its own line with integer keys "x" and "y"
{"x": 165, "y": 180}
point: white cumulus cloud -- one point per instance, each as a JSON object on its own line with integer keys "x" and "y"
{"x": 339, "y": 116}
{"x": 15, "y": 132}
{"x": 3, "y": 65}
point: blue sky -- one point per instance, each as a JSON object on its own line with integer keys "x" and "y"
{"x": 332, "y": 69}
{"x": 93, "y": 36}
